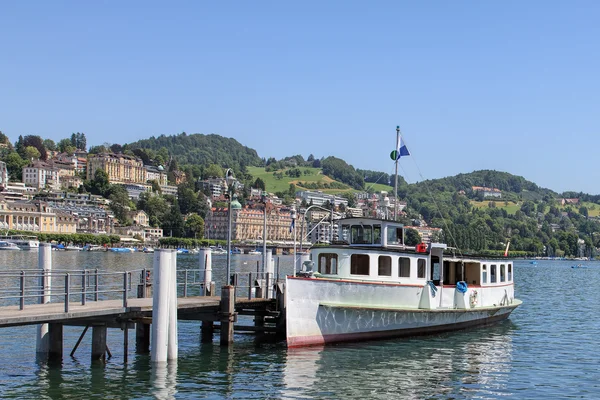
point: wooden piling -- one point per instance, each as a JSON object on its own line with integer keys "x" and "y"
{"x": 99, "y": 343}
{"x": 55, "y": 342}
{"x": 207, "y": 332}
{"x": 142, "y": 338}
{"x": 227, "y": 314}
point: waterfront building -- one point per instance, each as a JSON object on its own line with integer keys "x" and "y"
{"x": 169, "y": 189}
{"x": 216, "y": 186}
{"x": 320, "y": 198}
{"x": 152, "y": 234}
{"x": 34, "y": 216}
{"x": 157, "y": 174}
{"x": 3, "y": 175}
{"x": 135, "y": 189}
{"x": 139, "y": 217}
{"x": 120, "y": 168}
{"x": 179, "y": 177}
{"x": 487, "y": 192}
{"x": 15, "y": 191}
{"x": 247, "y": 224}
{"x": 41, "y": 175}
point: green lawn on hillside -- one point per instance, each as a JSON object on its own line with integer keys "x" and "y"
{"x": 315, "y": 175}
{"x": 273, "y": 184}
{"x": 509, "y": 206}
{"x": 593, "y": 208}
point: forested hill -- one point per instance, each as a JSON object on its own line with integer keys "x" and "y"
{"x": 199, "y": 149}
{"x": 507, "y": 183}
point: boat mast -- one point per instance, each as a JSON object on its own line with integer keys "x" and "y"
{"x": 396, "y": 174}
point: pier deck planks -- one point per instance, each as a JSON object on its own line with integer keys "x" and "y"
{"x": 109, "y": 309}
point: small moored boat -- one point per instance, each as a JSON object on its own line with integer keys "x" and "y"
{"x": 8, "y": 246}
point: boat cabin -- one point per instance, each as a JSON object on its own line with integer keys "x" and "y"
{"x": 374, "y": 250}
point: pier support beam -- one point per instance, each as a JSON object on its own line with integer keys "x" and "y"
{"x": 207, "y": 332}
{"x": 227, "y": 314}
{"x": 55, "y": 342}
{"x": 142, "y": 338}
{"x": 99, "y": 343}
{"x": 45, "y": 267}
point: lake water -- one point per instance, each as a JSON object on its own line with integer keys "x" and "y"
{"x": 547, "y": 349}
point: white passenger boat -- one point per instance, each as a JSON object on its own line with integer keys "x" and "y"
{"x": 8, "y": 246}
{"x": 22, "y": 241}
{"x": 370, "y": 285}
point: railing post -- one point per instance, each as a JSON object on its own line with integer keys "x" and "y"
{"x": 83, "y": 292}
{"x": 96, "y": 285}
{"x": 67, "y": 293}
{"x": 185, "y": 284}
{"x": 22, "y": 286}
{"x": 250, "y": 286}
{"x": 125, "y": 286}
{"x": 45, "y": 282}
{"x": 267, "y": 287}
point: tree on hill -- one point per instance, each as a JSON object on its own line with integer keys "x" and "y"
{"x": 194, "y": 226}
{"x": 37, "y": 142}
{"x": 31, "y": 153}
{"x": 411, "y": 237}
{"x": 199, "y": 149}
{"x": 50, "y": 145}
{"x": 259, "y": 184}
{"x": 14, "y": 166}
{"x": 79, "y": 141}
{"x": 65, "y": 146}
{"x": 341, "y": 171}
{"x": 173, "y": 224}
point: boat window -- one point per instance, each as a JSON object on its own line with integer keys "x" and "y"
{"x": 376, "y": 234}
{"x": 509, "y": 272}
{"x": 484, "y": 274}
{"x": 359, "y": 264}
{"x": 362, "y": 234}
{"x": 328, "y": 263}
{"x": 404, "y": 267}
{"x": 392, "y": 236}
{"x": 502, "y": 273}
{"x": 385, "y": 266}
{"x": 421, "y": 268}
{"x": 435, "y": 270}
{"x": 345, "y": 231}
{"x": 493, "y": 273}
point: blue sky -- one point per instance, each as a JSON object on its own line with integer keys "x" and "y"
{"x": 511, "y": 86}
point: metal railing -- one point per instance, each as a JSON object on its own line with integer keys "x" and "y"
{"x": 26, "y": 287}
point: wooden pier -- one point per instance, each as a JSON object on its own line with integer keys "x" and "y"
{"x": 132, "y": 300}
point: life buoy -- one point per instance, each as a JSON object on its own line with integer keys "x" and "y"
{"x": 461, "y": 286}
{"x": 473, "y": 298}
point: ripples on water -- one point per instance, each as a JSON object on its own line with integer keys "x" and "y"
{"x": 546, "y": 350}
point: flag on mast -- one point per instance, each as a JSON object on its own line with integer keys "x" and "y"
{"x": 402, "y": 150}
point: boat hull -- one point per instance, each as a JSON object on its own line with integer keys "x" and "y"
{"x": 321, "y": 312}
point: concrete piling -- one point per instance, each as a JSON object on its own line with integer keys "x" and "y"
{"x": 160, "y": 306}
{"x": 45, "y": 267}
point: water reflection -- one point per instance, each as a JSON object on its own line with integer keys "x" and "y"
{"x": 164, "y": 380}
{"x": 477, "y": 362}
